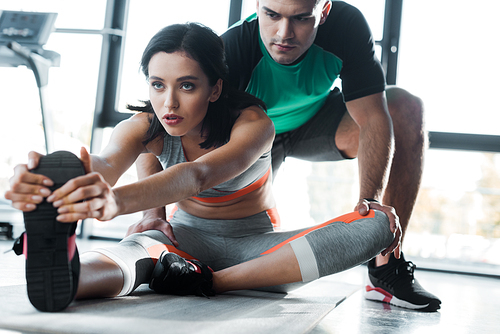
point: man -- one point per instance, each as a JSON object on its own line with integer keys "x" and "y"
{"x": 289, "y": 54}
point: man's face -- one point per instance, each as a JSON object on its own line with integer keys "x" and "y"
{"x": 288, "y": 27}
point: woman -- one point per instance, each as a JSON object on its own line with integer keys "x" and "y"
{"x": 214, "y": 144}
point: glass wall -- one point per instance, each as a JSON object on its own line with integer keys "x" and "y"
{"x": 448, "y": 57}
{"x": 456, "y": 222}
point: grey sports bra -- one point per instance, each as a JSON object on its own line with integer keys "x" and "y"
{"x": 251, "y": 179}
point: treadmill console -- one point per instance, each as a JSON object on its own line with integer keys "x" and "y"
{"x": 30, "y": 29}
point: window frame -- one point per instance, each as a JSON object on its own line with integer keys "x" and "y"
{"x": 390, "y": 53}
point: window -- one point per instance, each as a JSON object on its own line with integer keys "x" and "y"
{"x": 448, "y": 58}
{"x": 456, "y": 221}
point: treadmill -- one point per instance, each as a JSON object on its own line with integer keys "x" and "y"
{"x": 22, "y": 37}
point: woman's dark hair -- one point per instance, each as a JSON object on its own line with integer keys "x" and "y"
{"x": 205, "y": 47}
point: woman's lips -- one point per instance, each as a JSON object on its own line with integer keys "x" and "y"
{"x": 172, "y": 119}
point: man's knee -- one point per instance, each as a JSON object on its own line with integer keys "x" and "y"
{"x": 402, "y": 102}
{"x": 407, "y": 113}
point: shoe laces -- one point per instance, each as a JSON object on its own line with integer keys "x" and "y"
{"x": 403, "y": 272}
{"x": 406, "y": 269}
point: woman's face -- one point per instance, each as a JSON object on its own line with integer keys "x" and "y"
{"x": 180, "y": 92}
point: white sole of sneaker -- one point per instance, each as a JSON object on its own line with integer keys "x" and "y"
{"x": 380, "y": 295}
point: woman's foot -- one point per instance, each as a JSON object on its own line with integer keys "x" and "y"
{"x": 177, "y": 276}
{"x": 52, "y": 261}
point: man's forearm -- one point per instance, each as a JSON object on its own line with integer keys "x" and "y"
{"x": 376, "y": 145}
{"x": 155, "y": 213}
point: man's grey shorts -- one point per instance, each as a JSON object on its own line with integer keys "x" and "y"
{"x": 315, "y": 140}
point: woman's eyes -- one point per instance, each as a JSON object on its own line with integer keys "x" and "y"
{"x": 187, "y": 86}
{"x": 157, "y": 85}
{"x": 184, "y": 86}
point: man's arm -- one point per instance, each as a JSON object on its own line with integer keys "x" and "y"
{"x": 375, "y": 151}
{"x": 376, "y": 143}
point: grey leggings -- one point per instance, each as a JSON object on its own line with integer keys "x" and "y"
{"x": 321, "y": 250}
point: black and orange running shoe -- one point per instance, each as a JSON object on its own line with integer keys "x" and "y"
{"x": 175, "y": 275}
{"x": 52, "y": 261}
{"x": 394, "y": 283}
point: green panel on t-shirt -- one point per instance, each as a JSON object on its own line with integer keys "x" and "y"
{"x": 294, "y": 93}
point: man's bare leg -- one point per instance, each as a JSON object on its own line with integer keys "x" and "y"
{"x": 410, "y": 144}
{"x": 392, "y": 280}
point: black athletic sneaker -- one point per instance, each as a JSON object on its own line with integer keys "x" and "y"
{"x": 52, "y": 261}
{"x": 177, "y": 276}
{"x": 395, "y": 284}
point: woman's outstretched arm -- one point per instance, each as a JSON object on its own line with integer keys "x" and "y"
{"x": 252, "y": 135}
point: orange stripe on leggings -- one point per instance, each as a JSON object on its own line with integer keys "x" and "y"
{"x": 156, "y": 250}
{"x": 171, "y": 215}
{"x": 248, "y": 189}
{"x": 347, "y": 218}
{"x": 274, "y": 217}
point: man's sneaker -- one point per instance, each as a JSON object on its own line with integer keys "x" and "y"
{"x": 52, "y": 261}
{"x": 394, "y": 283}
{"x": 177, "y": 276}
